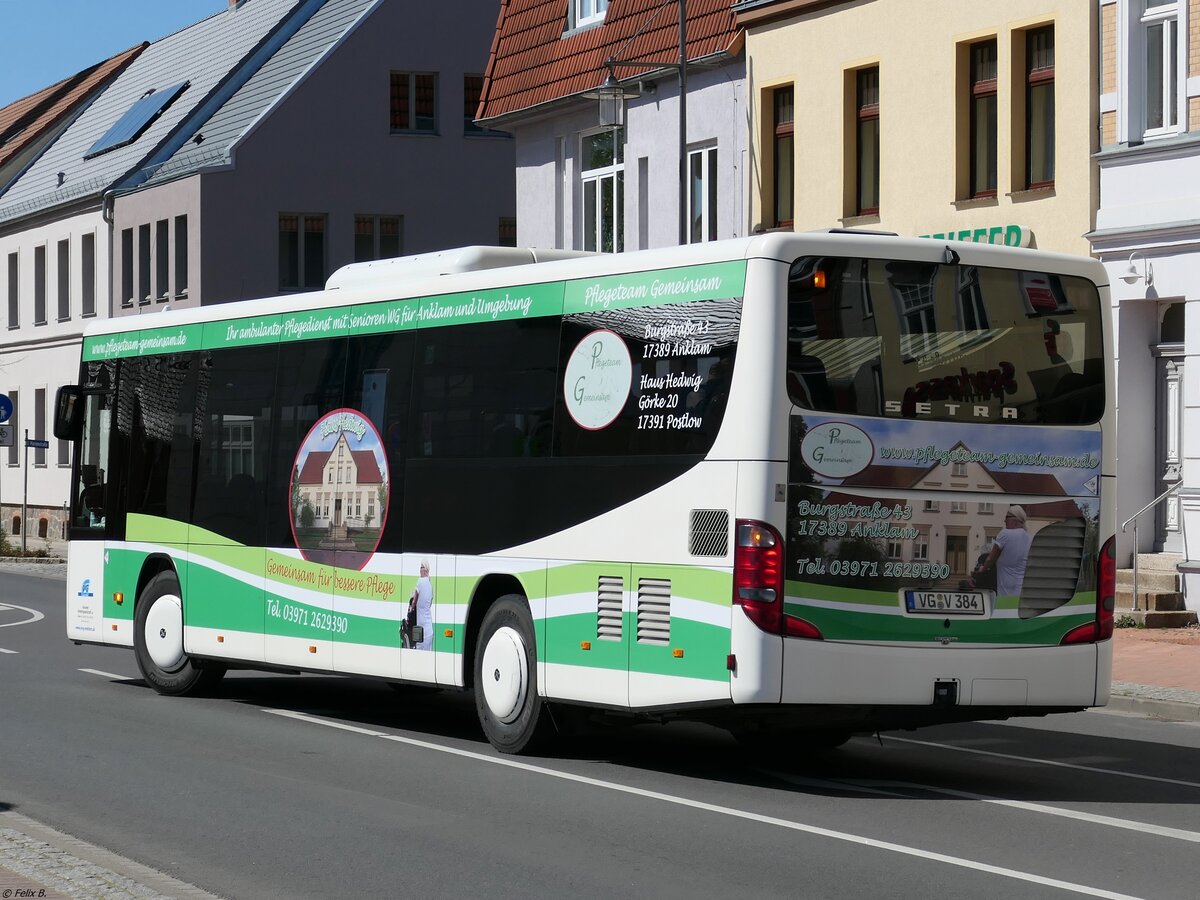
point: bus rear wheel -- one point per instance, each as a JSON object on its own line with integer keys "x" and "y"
{"x": 510, "y": 711}
{"x": 158, "y": 641}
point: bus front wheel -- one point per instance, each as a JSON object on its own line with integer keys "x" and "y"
{"x": 510, "y": 711}
{"x": 158, "y": 641}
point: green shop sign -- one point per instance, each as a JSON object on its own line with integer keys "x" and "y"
{"x": 1008, "y": 235}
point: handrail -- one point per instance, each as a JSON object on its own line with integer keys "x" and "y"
{"x": 1136, "y": 546}
{"x": 1157, "y": 500}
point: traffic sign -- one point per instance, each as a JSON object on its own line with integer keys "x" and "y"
{"x": 8, "y": 435}
{"x": 36, "y": 444}
{"x": 6, "y": 410}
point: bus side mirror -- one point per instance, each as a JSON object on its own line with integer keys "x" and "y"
{"x": 68, "y": 421}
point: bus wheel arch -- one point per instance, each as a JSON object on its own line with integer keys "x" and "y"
{"x": 489, "y": 589}
{"x": 158, "y": 634}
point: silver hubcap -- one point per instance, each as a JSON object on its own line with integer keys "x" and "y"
{"x": 505, "y": 674}
{"x": 164, "y": 633}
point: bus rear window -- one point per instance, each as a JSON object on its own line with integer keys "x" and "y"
{"x": 922, "y": 340}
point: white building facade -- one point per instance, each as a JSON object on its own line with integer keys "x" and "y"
{"x": 1148, "y": 237}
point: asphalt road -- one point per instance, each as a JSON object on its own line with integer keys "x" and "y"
{"x": 309, "y": 786}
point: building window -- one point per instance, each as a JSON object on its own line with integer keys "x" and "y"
{"x": 162, "y": 261}
{"x": 507, "y": 236}
{"x": 983, "y": 119}
{"x": 377, "y": 237}
{"x": 39, "y": 425}
{"x": 301, "y": 252}
{"x": 127, "y": 267}
{"x": 14, "y": 284}
{"x": 39, "y": 285}
{"x": 930, "y": 506}
{"x": 64, "y": 280}
{"x": 472, "y": 92}
{"x": 143, "y": 283}
{"x": 921, "y": 546}
{"x": 784, "y": 167}
{"x": 1039, "y": 108}
{"x": 586, "y": 12}
{"x": 986, "y": 509}
{"x": 702, "y": 195}
{"x": 414, "y": 102}
{"x": 958, "y": 470}
{"x": 957, "y": 506}
{"x": 867, "y": 141}
{"x": 14, "y": 452}
{"x": 895, "y": 549}
{"x": 602, "y": 180}
{"x": 181, "y": 257}
{"x": 1160, "y": 24}
{"x": 87, "y": 270}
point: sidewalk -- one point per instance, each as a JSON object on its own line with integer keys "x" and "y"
{"x": 1156, "y": 672}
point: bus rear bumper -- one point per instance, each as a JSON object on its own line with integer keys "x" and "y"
{"x": 839, "y": 673}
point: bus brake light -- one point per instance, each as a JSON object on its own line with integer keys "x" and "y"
{"x": 1101, "y": 629}
{"x": 758, "y": 580}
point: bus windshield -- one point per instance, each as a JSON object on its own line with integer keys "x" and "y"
{"x": 924, "y": 340}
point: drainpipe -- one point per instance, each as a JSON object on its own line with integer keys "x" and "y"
{"x": 108, "y": 214}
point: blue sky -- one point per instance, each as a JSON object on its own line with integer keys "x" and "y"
{"x": 44, "y": 41}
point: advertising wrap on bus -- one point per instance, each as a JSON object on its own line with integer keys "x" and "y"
{"x": 892, "y": 527}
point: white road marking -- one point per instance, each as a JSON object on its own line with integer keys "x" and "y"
{"x": 864, "y": 785}
{"x": 973, "y": 865}
{"x": 34, "y": 615}
{"x": 2, "y": 650}
{"x": 107, "y": 675}
{"x": 1095, "y": 770}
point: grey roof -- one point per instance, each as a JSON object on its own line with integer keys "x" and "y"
{"x": 208, "y": 55}
{"x": 267, "y": 88}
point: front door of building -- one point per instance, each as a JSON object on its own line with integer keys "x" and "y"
{"x": 1169, "y": 438}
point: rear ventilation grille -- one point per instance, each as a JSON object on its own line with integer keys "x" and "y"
{"x": 654, "y": 611}
{"x": 1052, "y": 569}
{"x": 609, "y": 602}
{"x": 709, "y": 533}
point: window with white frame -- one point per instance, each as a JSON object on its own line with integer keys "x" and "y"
{"x": 986, "y": 509}
{"x": 1160, "y": 27}
{"x": 602, "y": 184}
{"x": 702, "y": 195}
{"x": 586, "y": 12}
{"x": 921, "y": 546}
{"x": 959, "y": 470}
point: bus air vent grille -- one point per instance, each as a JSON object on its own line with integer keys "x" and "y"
{"x": 709, "y": 534}
{"x": 654, "y": 611}
{"x": 609, "y": 594}
{"x": 1052, "y": 568}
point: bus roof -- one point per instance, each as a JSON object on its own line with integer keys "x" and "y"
{"x": 477, "y": 268}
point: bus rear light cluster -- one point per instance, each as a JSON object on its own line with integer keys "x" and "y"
{"x": 758, "y": 580}
{"x": 1101, "y": 629}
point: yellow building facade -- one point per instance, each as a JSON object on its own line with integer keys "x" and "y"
{"x": 952, "y": 119}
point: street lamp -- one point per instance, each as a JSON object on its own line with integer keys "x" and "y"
{"x": 612, "y": 96}
{"x": 1132, "y": 275}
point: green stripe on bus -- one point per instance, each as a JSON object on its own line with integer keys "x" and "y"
{"x": 704, "y": 648}
{"x": 715, "y": 281}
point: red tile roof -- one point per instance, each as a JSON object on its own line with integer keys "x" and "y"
{"x": 314, "y": 466}
{"x": 532, "y": 62}
{"x": 24, "y": 121}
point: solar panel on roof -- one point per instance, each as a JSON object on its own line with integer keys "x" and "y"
{"x": 137, "y": 119}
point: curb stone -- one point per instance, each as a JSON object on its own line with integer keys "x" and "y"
{"x": 39, "y": 856}
{"x": 1169, "y": 704}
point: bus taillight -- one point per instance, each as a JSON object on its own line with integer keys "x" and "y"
{"x": 1106, "y": 596}
{"x": 758, "y": 580}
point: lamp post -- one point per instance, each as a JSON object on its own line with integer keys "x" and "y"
{"x": 612, "y": 96}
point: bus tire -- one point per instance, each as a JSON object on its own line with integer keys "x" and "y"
{"x": 158, "y": 641}
{"x": 510, "y": 711}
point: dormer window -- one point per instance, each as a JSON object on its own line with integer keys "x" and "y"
{"x": 587, "y": 12}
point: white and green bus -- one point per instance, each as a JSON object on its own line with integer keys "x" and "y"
{"x": 795, "y": 485}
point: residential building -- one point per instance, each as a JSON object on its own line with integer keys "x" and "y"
{"x": 248, "y": 155}
{"x": 953, "y": 120}
{"x": 1147, "y": 235}
{"x": 635, "y": 181}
